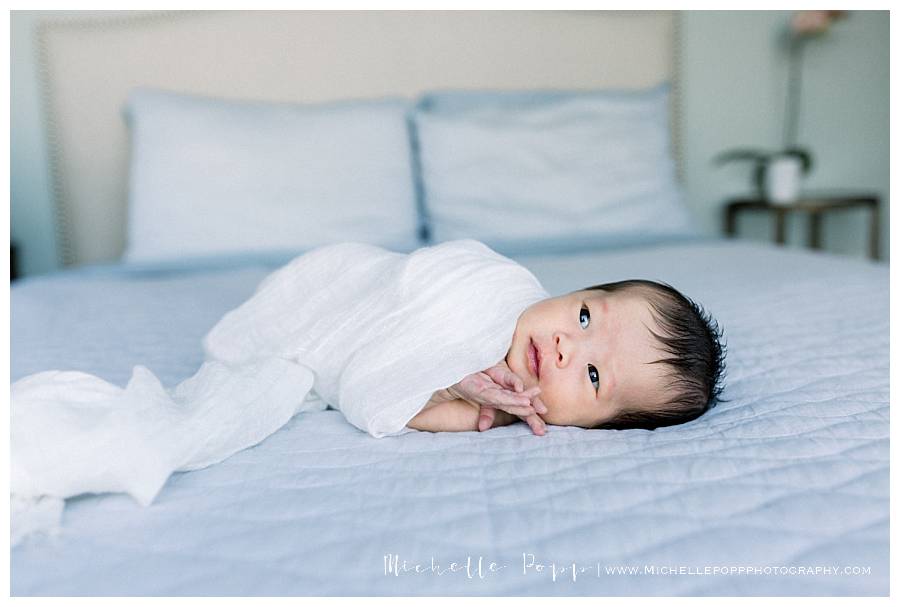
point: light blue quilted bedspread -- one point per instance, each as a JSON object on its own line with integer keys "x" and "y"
{"x": 791, "y": 474}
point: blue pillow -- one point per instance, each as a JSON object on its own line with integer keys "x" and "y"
{"x": 515, "y": 168}
{"x": 453, "y": 101}
{"x": 212, "y": 176}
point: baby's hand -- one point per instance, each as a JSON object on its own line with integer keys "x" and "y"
{"x": 486, "y": 389}
{"x": 499, "y": 388}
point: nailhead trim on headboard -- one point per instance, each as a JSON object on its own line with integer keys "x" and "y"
{"x": 676, "y": 100}
{"x": 65, "y": 254}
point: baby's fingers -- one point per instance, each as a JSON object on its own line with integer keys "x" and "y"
{"x": 538, "y": 404}
{"x": 515, "y": 410}
{"x": 498, "y": 397}
{"x": 538, "y": 427}
{"x": 505, "y": 377}
{"x": 517, "y": 403}
{"x": 509, "y": 403}
{"x": 486, "y": 418}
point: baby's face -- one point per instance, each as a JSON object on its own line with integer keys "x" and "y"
{"x": 593, "y": 348}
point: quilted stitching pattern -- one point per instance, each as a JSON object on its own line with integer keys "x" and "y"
{"x": 792, "y": 471}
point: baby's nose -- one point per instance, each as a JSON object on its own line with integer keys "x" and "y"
{"x": 562, "y": 348}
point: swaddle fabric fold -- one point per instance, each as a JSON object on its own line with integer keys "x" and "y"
{"x": 367, "y": 331}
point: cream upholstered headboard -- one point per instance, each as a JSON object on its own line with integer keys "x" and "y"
{"x": 88, "y": 65}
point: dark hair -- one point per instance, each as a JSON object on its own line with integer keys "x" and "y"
{"x": 696, "y": 365}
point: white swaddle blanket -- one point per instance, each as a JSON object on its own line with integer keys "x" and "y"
{"x": 367, "y": 331}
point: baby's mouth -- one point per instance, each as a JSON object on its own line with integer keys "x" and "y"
{"x": 534, "y": 359}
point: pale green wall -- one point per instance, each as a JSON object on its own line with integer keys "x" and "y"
{"x": 734, "y": 76}
{"x": 735, "y": 81}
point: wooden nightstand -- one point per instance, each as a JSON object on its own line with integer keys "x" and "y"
{"x": 814, "y": 204}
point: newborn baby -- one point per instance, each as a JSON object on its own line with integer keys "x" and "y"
{"x": 628, "y": 354}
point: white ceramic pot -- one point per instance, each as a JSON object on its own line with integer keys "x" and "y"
{"x": 782, "y": 180}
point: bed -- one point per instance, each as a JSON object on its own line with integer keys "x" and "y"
{"x": 780, "y": 490}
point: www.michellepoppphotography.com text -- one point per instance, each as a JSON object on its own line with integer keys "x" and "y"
{"x": 480, "y": 568}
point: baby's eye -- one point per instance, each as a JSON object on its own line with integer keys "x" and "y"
{"x": 594, "y": 375}
{"x": 585, "y": 317}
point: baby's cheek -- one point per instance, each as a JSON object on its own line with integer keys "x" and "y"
{"x": 554, "y": 401}
{"x": 560, "y": 401}
{"x": 557, "y": 416}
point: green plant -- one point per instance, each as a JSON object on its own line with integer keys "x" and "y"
{"x": 761, "y": 160}
{"x": 802, "y": 27}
